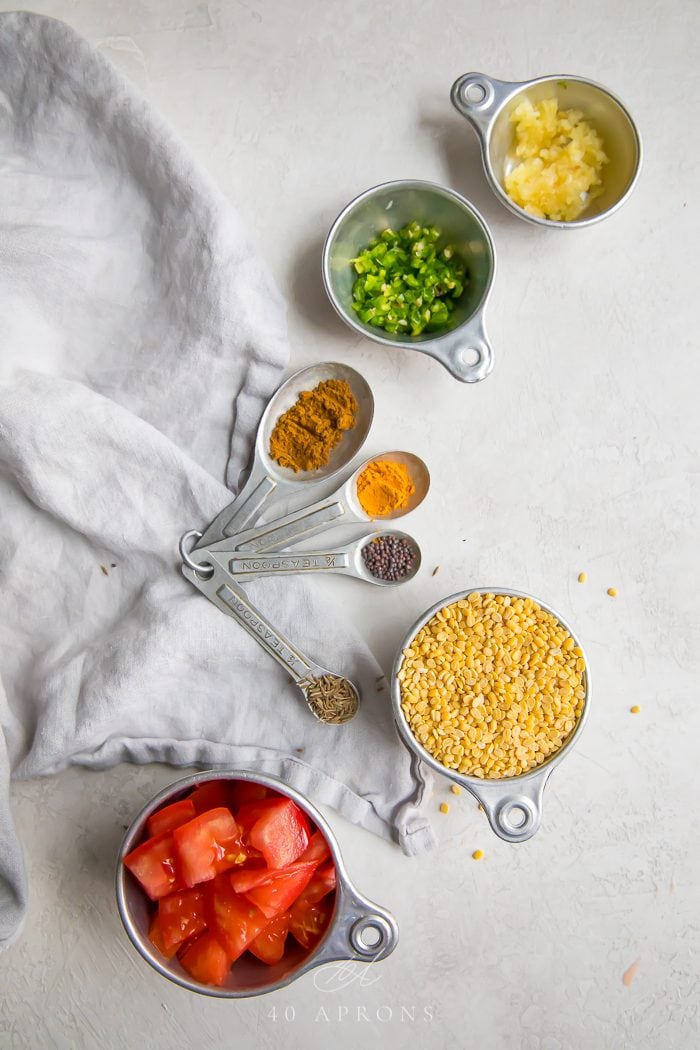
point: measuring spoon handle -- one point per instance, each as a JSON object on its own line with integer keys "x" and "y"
{"x": 243, "y": 509}
{"x": 277, "y": 534}
{"x": 224, "y": 592}
{"x": 251, "y": 566}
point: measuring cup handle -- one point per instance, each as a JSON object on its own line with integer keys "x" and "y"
{"x": 361, "y": 930}
{"x": 515, "y": 815}
{"x": 477, "y": 97}
{"x": 466, "y": 353}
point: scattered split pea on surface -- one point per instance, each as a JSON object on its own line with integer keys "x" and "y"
{"x": 456, "y": 789}
{"x": 477, "y": 854}
{"x": 636, "y": 709}
{"x": 612, "y": 591}
{"x": 492, "y": 685}
{"x": 444, "y": 808}
{"x": 582, "y": 577}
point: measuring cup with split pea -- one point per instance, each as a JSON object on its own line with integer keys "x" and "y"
{"x": 267, "y": 479}
{"x": 513, "y": 805}
{"x": 341, "y": 508}
{"x": 346, "y": 561}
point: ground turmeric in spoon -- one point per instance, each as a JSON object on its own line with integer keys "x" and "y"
{"x": 383, "y": 487}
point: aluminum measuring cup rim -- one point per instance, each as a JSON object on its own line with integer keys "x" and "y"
{"x": 403, "y": 184}
{"x": 483, "y": 113}
{"x": 495, "y": 788}
{"x": 342, "y": 939}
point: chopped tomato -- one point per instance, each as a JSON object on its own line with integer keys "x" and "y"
{"x": 206, "y": 960}
{"x": 268, "y": 946}
{"x": 281, "y": 833}
{"x": 181, "y": 915}
{"x": 249, "y": 878}
{"x": 317, "y": 850}
{"x": 280, "y": 889}
{"x": 308, "y": 921}
{"x": 171, "y": 817}
{"x": 282, "y": 880}
{"x": 156, "y": 938}
{"x": 207, "y": 845}
{"x": 250, "y": 812}
{"x": 235, "y": 920}
{"x": 154, "y": 865}
{"x": 210, "y": 795}
{"x": 323, "y": 882}
{"x": 244, "y": 791}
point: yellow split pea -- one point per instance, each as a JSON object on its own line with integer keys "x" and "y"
{"x": 492, "y": 685}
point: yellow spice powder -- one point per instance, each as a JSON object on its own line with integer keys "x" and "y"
{"x": 305, "y": 435}
{"x": 383, "y": 487}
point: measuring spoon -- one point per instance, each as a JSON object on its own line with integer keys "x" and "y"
{"x": 267, "y": 478}
{"x": 341, "y": 508}
{"x": 346, "y": 561}
{"x": 225, "y": 593}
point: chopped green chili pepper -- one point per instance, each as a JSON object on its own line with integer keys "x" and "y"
{"x": 406, "y": 284}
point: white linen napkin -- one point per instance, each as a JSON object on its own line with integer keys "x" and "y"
{"x": 141, "y": 337}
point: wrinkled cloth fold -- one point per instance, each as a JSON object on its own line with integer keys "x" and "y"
{"x": 141, "y": 338}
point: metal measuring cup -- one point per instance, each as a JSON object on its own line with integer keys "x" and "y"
{"x": 359, "y": 930}
{"x": 488, "y": 103}
{"x": 513, "y": 805}
{"x": 463, "y": 347}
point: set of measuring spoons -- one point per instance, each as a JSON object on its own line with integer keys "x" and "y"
{"x": 235, "y": 548}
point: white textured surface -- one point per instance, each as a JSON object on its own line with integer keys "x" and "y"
{"x": 579, "y": 452}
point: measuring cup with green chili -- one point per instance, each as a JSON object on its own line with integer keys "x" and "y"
{"x": 411, "y": 264}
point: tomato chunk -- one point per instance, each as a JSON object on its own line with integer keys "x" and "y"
{"x": 207, "y": 845}
{"x": 244, "y": 791}
{"x": 317, "y": 850}
{"x": 156, "y": 938}
{"x": 280, "y": 889}
{"x": 206, "y": 960}
{"x": 155, "y": 865}
{"x": 281, "y": 833}
{"x": 171, "y": 817}
{"x": 308, "y": 921}
{"x": 323, "y": 882}
{"x": 210, "y": 795}
{"x": 268, "y": 946}
{"x": 181, "y": 915}
{"x": 249, "y": 878}
{"x": 250, "y": 812}
{"x": 234, "y": 920}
